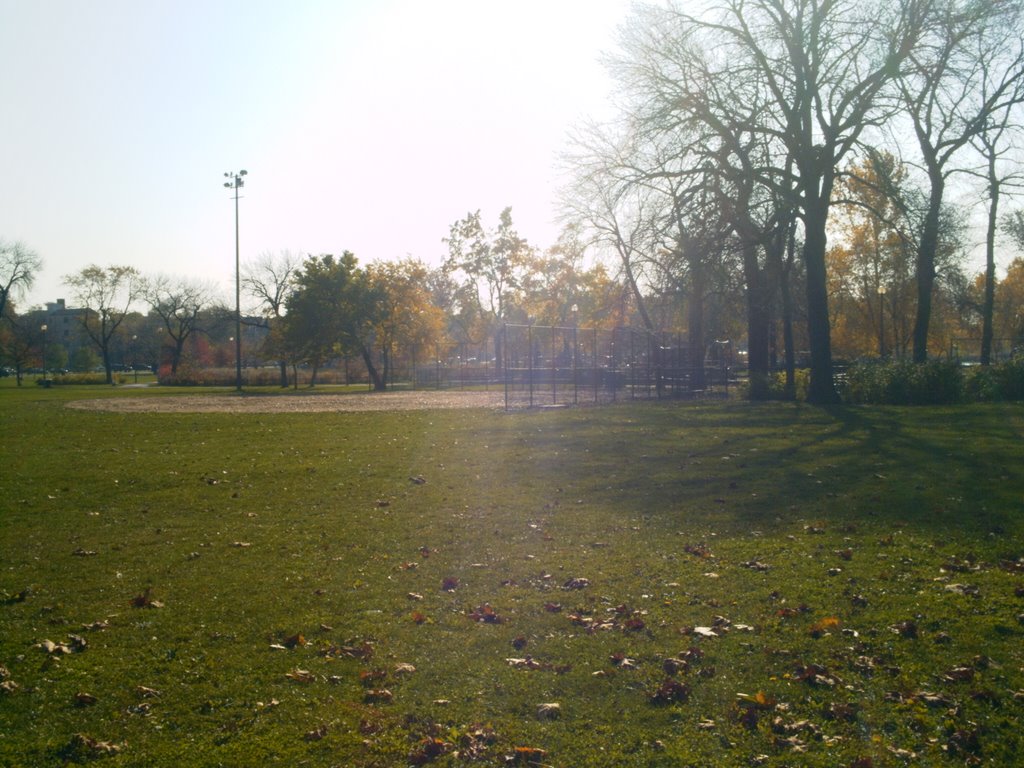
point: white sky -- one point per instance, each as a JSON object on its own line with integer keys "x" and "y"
{"x": 366, "y": 125}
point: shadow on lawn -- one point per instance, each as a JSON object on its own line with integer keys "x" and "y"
{"x": 933, "y": 469}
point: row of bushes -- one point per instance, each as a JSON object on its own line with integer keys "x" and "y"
{"x": 937, "y": 382}
{"x": 193, "y": 376}
{"x": 77, "y": 378}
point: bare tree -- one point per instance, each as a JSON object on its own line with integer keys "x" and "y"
{"x": 19, "y": 265}
{"x": 270, "y": 280}
{"x": 614, "y": 212}
{"x": 966, "y": 71}
{"x": 107, "y": 294}
{"x": 803, "y": 77}
{"x": 178, "y": 303}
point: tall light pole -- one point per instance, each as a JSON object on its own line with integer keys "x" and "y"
{"x": 236, "y": 183}
{"x": 881, "y": 321}
{"x": 43, "y": 328}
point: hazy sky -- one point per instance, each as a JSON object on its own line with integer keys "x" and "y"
{"x": 366, "y": 125}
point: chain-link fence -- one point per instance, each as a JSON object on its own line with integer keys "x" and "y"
{"x": 537, "y": 366}
{"x": 968, "y": 350}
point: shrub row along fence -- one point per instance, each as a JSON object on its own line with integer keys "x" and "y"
{"x": 538, "y": 366}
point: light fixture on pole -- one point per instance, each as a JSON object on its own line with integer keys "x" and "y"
{"x": 236, "y": 183}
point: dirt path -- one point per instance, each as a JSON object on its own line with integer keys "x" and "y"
{"x": 295, "y": 402}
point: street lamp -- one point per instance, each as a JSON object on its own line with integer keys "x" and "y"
{"x": 881, "y": 321}
{"x": 43, "y": 328}
{"x": 236, "y": 183}
{"x": 135, "y": 363}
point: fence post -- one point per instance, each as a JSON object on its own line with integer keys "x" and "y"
{"x": 554, "y": 371}
{"x": 529, "y": 352}
{"x": 575, "y": 371}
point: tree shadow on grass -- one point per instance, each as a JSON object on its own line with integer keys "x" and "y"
{"x": 934, "y": 469}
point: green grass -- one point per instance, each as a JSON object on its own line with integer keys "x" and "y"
{"x": 250, "y": 530}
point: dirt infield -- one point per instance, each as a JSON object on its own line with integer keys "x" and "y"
{"x": 295, "y": 402}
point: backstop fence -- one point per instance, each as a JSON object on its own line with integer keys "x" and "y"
{"x": 547, "y": 366}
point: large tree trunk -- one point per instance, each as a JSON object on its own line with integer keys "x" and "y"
{"x": 106, "y": 364}
{"x": 695, "y": 323}
{"x": 786, "y": 296}
{"x": 283, "y": 364}
{"x": 371, "y": 370}
{"x": 821, "y": 389}
{"x": 925, "y": 267}
{"x": 758, "y": 358}
{"x": 988, "y": 306}
{"x": 179, "y": 345}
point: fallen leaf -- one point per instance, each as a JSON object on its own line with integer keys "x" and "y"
{"x": 964, "y": 742}
{"x": 821, "y": 628}
{"x": 958, "y": 675}
{"x": 83, "y": 747}
{"x": 317, "y": 733}
{"x": 301, "y": 676}
{"x": 145, "y": 600}
{"x": 669, "y": 692}
{"x": 83, "y": 699}
{"x": 428, "y": 750}
{"x": 931, "y": 699}
{"x": 527, "y": 756}
{"x": 963, "y": 589}
{"x": 903, "y": 754}
{"x": 790, "y": 742}
{"x": 370, "y": 678}
{"x": 698, "y": 550}
{"x": 524, "y": 663}
{"x": 576, "y": 583}
{"x": 674, "y": 666}
{"x": 549, "y": 711}
{"x": 759, "y": 700}
{"x": 906, "y": 629}
{"x": 485, "y": 614}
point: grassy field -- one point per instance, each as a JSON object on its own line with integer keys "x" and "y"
{"x": 639, "y": 585}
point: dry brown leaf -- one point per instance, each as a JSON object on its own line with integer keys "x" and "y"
{"x": 549, "y": 711}
{"x": 301, "y": 675}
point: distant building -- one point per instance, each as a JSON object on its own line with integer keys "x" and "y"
{"x": 64, "y": 326}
